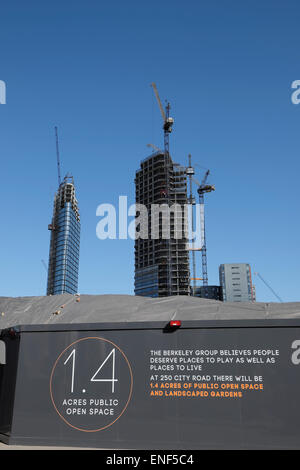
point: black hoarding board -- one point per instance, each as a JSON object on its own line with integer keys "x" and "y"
{"x": 221, "y": 385}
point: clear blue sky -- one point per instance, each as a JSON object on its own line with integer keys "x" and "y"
{"x": 86, "y": 66}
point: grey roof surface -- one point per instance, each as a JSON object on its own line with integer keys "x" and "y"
{"x": 64, "y": 309}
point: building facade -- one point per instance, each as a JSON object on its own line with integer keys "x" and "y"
{"x": 161, "y": 255}
{"x": 208, "y": 292}
{"x": 236, "y": 282}
{"x": 63, "y": 264}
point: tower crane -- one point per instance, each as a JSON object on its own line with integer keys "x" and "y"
{"x": 167, "y": 127}
{"x": 57, "y": 156}
{"x": 265, "y": 282}
{"x": 154, "y": 147}
{"x": 203, "y": 188}
{"x": 45, "y": 265}
{"x": 52, "y": 226}
{"x": 190, "y": 172}
{"x": 168, "y": 121}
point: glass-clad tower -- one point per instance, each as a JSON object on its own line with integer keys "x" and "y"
{"x": 65, "y": 241}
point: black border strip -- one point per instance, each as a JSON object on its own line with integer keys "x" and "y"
{"x": 159, "y": 325}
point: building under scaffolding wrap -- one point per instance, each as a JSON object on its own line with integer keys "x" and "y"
{"x": 65, "y": 241}
{"x": 161, "y": 255}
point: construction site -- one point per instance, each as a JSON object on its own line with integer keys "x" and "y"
{"x": 171, "y": 367}
{"x": 63, "y": 266}
{"x": 162, "y": 266}
{"x": 170, "y": 256}
{"x": 175, "y": 261}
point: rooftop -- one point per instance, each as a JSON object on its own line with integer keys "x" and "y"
{"x": 66, "y": 309}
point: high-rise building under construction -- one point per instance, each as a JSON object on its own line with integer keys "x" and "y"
{"x": 161, "y": 254}
{"x": 65, "y": 241}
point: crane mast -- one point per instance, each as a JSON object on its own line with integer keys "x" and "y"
{"x": 57, "y": 157}
{"x": 190, "y": 172}
{"x": 203, "y": 188}
{"x": 203, "y": 238}
{"x": 52, "y": 225}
